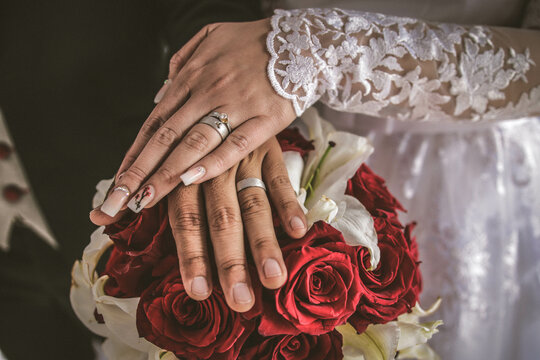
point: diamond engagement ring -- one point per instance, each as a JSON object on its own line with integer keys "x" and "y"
{"x": 220, "y": 124}
{"x": 250, "y": 182}
{"x": 224, "y": 118}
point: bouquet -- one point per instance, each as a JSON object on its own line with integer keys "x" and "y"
{"x": 353, "y": 279}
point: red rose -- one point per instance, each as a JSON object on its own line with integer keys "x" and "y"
{"x": 290, "y": 139}
{"x": 371, "y": 191}
{"x": 208, "y": 329}
{"x": 130, "y": 275}
{"x": 323, "y": 286}
{"x": 293, "y": 347}
{"x": 146, "y": 234}
{"x": 393, "y": 287}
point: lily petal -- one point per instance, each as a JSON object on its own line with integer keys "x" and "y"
{"x": 356, "y": 225}
{"x": 295, "y": 165}
{"x": 418, "y": 312}
{"x": 325, "y": 209}
{"x": 340, "y": 165}
{"x": 83, "y": 277}
{"x": 120, "y": 316}
{"x": 117, "y": 350}
{"x": 101, "y": 188}
{"x": 378, "y": 342}
{"x": 421, "y": 352}
{"x": 416, "y": 334}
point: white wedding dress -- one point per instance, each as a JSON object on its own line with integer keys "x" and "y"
{"x": 451, "y": 111}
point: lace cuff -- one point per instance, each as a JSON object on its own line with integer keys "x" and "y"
{"x": 389, "y": 66}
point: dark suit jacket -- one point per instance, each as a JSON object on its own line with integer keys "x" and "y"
{"x": 77, "y": 79}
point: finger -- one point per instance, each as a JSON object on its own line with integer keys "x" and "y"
{"x": 180, "y": 58}
{"x": 199, "y": 141}
{"x": 225, "y": 224}
{"x": 242, "y": 141}
{"x": 258, "y": 224}
{"x": 162, "y": 112}
{"x": 187, "y": 219}
{"x": 99, "y": 218}
{"x": 281, "y": 192}
{"x": 154, "y": 151}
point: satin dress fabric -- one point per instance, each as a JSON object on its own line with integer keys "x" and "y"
{"x": 474, "y": 190}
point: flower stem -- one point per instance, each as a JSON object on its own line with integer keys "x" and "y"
{"x": 313, "y": 178}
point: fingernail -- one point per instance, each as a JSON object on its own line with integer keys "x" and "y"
{"x": 192, "y": 175}
{"x": 161, "y": 92}
{"x": 271, "y": 268}
{"x": 199, "y": 286}
{"x": 297, "y": 223}
{"x": 141, "y": 199}
{"x": 114, "y": 202}
{"x": 241, "y": 293}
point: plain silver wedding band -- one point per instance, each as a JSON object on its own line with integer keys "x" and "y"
{"x": 216, "y": 124}
{"x": 249, "y": 182}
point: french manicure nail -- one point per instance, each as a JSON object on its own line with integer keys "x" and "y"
{"x": 141, "y": 199}
{"x": 199, "y": 286}
{"x": 192, "y": 175}
{"x": 271, "y": 268}
{"x": 297, "y": 223}
{"x": 114, "y": 202}
{"x": 241, "y": 293}
{"x": 161, "y": 92}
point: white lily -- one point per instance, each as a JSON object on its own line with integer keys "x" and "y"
{"x": 120, "y": 316}
{"x": 415, "y": 335}
{"x": 336, "y": 158}
{"x": 87, "y": 295}
{"x": 83, "y": 278}
{"x": 160, "y": 354}
{"x": 115, "y": 349}
{"x": 407, "y": 338}
{"x": 101, "y": 187}
{"x": 378, "y": 342}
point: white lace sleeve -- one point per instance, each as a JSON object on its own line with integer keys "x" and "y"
{"x": 403, "y": 68}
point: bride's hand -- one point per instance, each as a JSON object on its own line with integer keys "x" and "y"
{"x": 223, "y": 69}
{"x": 215, "y": 210}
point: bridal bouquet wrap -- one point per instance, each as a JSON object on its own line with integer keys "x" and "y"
{"x": 353, "y": 279}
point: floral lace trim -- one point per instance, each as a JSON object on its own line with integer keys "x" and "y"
{"x": 393, "y": 66}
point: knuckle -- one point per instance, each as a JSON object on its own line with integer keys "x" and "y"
{"x": 165, "y": 136}
{"x": 187, "y": 220}
{"x": 167, "y": 175}
{"x": 176, "y": 58}
{"x": 193, "y": 69}
{"x": 196, "y": 141}
{"x": 233, "y": 265}
{"x": 240, "y": 141}
{"x": 253, "y": 204}
{"x": 262, "y": 243}
{"x": 280, "y": 182}
{"x": 218, "y": 163}
{"x": 136, "y": 173}
{"x": 224, "y": 218}
{"x": 152, "y": 125}
{"x": 191, "y": 259}
{"x": 287, "y": 204}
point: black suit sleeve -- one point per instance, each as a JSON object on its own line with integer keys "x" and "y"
{"x": 184, "y": 18}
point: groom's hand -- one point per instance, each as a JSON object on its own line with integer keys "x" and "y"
{"x": 214, "y": 214}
